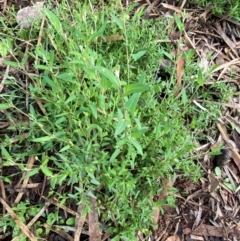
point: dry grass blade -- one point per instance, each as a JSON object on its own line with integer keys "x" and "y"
{"x": 23, "y": 188}
{"x": 40, "y": 37}
{"x": 168, "y": 6}
{"x": 40, "y": 105}
{"x": 190, "y": 44}
{"x": 114, "y": 38}
{"x": 16, "y": 219}
{"x": 230, "y": 178}
{"x": 228, "y": 64}
{"x": 94, "y": 231}
{"x": 3, "y": 194}
{"x": 55, "y": 202}
{"x": 30, "y": 163}
{"x": 199, "y": 215}
{"x": 233, "y": 106}
{"x": 79, "y": 223}
{"x": 231, "y": 20}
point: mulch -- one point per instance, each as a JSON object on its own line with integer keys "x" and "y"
{"x": 207, "y": 210}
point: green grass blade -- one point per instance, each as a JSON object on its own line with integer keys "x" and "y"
{"x": 54, "y": 20}
{"x": 136, "y": 88}
{"x": 109, "y": 75}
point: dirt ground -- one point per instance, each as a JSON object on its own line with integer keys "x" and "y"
{"x": 208, "y": 210}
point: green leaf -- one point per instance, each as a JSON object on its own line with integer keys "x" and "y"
{"x": 46, "y": 171}
{"x": 121, "y": 126}
{"x": 70, "y": 221}
{"x": 90, "y": 194}
{"x": 65, "y": 148}
{"x": 137, "y": 146}
{"x": 179, "y": 23}
{"x": 184, "y": 96}
{"x": 40, "y": 66}
{"x": 62, "y": 178}
{"x": 42, "y": 139}
{"x": 5, "y": 153}
{"x": 66, "y": 76}
{"x": 93, "y": 110}
{"x": 54, "y": 20}
{"x": 99, "y": 33}
{"x": 139, "y": 133}
{"x": 117, "y": 21}
{"x": 109, "y": 75}
{"x": 53, "y": 182}
{"x": 136, "y": 88}
{"x": 95, "y": 181}
{"x": 71, "y": 98}
{"x": 3, "y": 50}
{"x": 114, "y": 155}
{"x": 138, "y": 55}
{"x": 230, "y": 186}
{"x": 32, "y": 173}
{"x": 218, "y": 171}
{"x": 5, "y": 106}
{"x": 49, "y": 82}
{"x": 200, "y": 77}
{"x": 142, "y": 78}
{"x": 131, "y": 104}
{"x": 11, "y": 63}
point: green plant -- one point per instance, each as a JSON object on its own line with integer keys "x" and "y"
{"x": 95, "y": 121}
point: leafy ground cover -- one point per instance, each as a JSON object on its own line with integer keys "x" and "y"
{"x": 101, "y": 115}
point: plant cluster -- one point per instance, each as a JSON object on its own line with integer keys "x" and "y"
{"x": 95, "y": 121}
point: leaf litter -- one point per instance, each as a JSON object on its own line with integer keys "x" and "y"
{"x": 210, "y": 209}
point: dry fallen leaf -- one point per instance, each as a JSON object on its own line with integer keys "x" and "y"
{"x": 213, "y": 183}
{"x": 180, "y": 66}
{"x": 173, "y": 238}
{"x": 114, "y": 38}
{"x": 27, "y": 16}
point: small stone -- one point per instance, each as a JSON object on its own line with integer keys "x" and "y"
{"x": 28, "y": 15}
